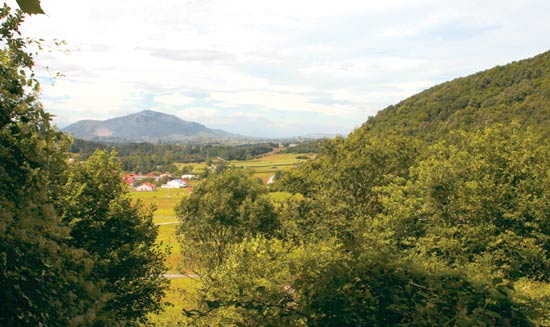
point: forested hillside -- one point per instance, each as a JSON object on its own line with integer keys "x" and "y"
{"x": 436, "y": 212}
{"x": 519, "y": 92}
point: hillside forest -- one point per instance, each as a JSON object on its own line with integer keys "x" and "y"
{"x": 435, "y": 212}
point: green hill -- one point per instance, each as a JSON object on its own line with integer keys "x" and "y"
{"x": 519, "y": 91}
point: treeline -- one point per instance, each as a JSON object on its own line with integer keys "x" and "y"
{"x": 75, "y": 250}
{"x": 146, "y": 157}
{"x": 313, "y": 146}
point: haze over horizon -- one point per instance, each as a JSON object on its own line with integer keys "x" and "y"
{"x": 271, "y": 69}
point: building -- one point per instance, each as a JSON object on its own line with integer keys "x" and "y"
{"x": 146, "y": 187}
{"x": 176, "y": 183}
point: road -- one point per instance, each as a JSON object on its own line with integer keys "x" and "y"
{"x": 181, "y": 276}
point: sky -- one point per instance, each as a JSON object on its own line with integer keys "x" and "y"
{"x": 270, "y": 68}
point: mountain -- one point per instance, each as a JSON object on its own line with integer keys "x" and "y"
{"x": 519, "y": 91}
{"x": 146, "y": 126}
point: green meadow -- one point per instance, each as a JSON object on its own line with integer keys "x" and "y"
{"x": 266, "y": 166}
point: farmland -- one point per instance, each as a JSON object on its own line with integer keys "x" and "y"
{"x": 266, "y": 166}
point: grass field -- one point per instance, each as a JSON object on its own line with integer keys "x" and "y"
{"x": 266, "y": 166}
{"x": 165, "y": 200}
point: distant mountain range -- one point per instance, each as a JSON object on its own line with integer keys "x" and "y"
{"x": 147, "y": 126}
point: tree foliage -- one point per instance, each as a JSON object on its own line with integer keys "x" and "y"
{"x": 44, "y": 280}
{"x": 222, "y": 211}
{"x": 519, "y": 91}
{"x": 119, "y": 234}
{"x": 74, "y": 250}
{"x": 381, "y": 231}
{"x": 267, "y": 283}
{"x": 478, "y": 198}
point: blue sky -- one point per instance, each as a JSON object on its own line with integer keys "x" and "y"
{"x": 271, "y": 68}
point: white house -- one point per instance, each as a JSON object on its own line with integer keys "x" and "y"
{"x": 176, "y": 183}
{"x": 146, "y": 187}
{"x": 189, "y": 176}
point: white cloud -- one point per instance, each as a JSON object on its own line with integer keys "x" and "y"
{"x": 174, "y": 99}
{"x": 271, "y": 60}
{"x": 205, "y": 116}
{"x": 283, "y": 101}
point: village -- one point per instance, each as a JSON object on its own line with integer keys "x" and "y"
{"x": 151, "y": 181}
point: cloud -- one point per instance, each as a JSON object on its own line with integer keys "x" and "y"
{"x": 190, "y": 55}
{"x": 308, "y": 63}
{"x": 174, "y": 99}
{"x": 201, "y": 115}
{"x": 283, "y": 101}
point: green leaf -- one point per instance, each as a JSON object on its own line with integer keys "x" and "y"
{"x": 30, "y": 6}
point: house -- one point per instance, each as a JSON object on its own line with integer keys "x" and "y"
{"x": 130, "y": 182}
{"x": 189, "y": 176}
{"x": 176, "y": 183}
{"x": 146, "y": 187}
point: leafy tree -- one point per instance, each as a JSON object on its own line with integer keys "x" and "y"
{"x": 119, "y": 234}
{"x": 339, "y": 185}
{"x": 267, "y": 283}
{"x": 44, "y": 280}
{"x": 480, "y": 198}
{"x": 222, "y": 211}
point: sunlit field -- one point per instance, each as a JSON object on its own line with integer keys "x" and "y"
{"x": 266, "y": 166}
{"x": 164, "y": 199}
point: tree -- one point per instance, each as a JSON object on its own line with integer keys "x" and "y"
{"x": 268, "y": 283}
{"x": 45, "y": 281}
{"x": 119, "y": 234}
{"x": 339, "y": 185}
{"x": 221, "y": 211}
{"x": 480, "y": 199}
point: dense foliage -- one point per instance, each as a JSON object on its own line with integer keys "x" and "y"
{"x": 65, "y": 258}
{"x": 119, "y": 234}
{"x": 220, "y": 212}
{"x": 313, "y": 146}
{"x": 519, "y": 92}
{"x": 429, "y": 215}
{"x": 44, "y": 280}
